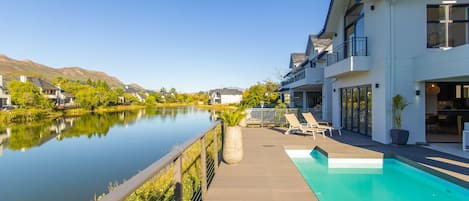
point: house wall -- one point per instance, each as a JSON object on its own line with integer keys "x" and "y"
{"x": 229, "y": 99}
{"x": 396, "y": 32}
{"x": 377, "y": 31}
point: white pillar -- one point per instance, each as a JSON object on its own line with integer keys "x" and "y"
{"x": 305, "y": 101}
{"x": 327, "y": 100}
{"x": 292, "y": 98}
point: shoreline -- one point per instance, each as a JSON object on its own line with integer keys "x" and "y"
{"x": 31, "y": 115}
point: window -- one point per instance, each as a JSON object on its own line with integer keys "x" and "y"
{"x": 354, "y": 30}
{"x": 447, "y": 25}
{"x": 356, "y": 109}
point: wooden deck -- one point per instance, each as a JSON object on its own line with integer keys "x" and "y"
{"x": 267, "y": 173}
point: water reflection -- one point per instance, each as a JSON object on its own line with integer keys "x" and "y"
{"x": 26, "y": 136}
{"x": 74, "y": 158}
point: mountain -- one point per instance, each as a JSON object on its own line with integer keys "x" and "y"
{"x": 11, "y": 69}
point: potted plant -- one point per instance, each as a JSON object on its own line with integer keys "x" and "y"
{"x": 233, "y": 138}
{"x": 399, "y": 136}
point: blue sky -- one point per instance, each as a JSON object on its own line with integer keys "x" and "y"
{"x": 191, "y": 45}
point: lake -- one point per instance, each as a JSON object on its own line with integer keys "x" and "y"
{"x": 76, "y": 158}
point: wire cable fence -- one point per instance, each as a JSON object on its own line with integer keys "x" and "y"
{"x": 183, "y": 174}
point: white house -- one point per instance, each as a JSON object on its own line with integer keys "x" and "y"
{"x": 4, "y": 96}
{"x": 53, "y": 93}
{"x": 380, "y": 48}
{"x": 225, "y": 96}
{"x": 135, "y": 93}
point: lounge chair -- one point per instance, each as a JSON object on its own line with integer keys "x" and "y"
{"x": 296, "y": 125}
{"x": 312, "y": 123}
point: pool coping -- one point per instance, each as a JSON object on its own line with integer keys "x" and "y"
{"x": 400, "y": 158}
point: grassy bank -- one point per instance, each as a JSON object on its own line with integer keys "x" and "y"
{"x": 27, "y": 115}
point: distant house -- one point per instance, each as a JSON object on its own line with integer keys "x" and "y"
{"x": 53, "y": 93}
{"x": 134, "y": 92}
{"x": 4, "y": 96}
{"x": 225, "y": 96}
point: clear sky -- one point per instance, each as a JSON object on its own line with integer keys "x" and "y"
{"x": 191, "y": 45}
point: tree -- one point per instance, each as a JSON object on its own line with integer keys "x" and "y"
{"x": 87, "y": 97}
{"x": 150, "y": 100}
{"x": 130, "y": 98}
{"x": 163, "y": 90}
{"x": 26, "y": 95}
{"x": 267, "y": 92}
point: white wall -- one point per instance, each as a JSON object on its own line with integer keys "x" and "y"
{"x": 229, "y": 99}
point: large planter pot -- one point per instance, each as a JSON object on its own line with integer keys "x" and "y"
{"x": 399, "y": 136}
{"x": 233, "y": 145}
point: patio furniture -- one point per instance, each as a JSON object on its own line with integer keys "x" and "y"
{"x": 294, "y": 124}
{"x": 313, "y": 123}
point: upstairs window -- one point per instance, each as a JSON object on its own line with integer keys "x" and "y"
{"x": 447, "y": 25}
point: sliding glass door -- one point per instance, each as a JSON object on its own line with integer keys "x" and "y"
{"x": 356, "y": 109}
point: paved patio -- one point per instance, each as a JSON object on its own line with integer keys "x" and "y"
{"x": 267, "y": 173}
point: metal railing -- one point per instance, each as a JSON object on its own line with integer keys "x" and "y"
{"x": 316, "y": 112}
{"x": 269, "y": 116}
{"x": 183, "y": 174}
{"x": 356, "y": 46}
{"x": 296, "y": 77}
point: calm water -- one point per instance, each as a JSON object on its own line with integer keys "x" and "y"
{"x": 74, "y": 158}
{"x": 396, "y": 181}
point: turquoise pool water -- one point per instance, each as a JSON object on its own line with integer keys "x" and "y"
{"x": 396, "y": 181}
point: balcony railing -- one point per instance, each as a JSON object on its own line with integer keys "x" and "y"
{"x": 296, "y": 77}
{"x": 183, "y": 174}
{"x": 356, "y": 46}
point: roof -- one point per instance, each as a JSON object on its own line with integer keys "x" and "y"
{"x": 130, "y": 90}
{"x": 297, "y": 58}
{"x": 67, "y": 94}
{"x": 226, "y": 91}
{"x": 319, "y": 43}
{"x": 42, "y": 83}
{"x": 320, "y": 35}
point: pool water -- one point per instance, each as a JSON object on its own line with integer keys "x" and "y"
{"x": 395, "y": 181}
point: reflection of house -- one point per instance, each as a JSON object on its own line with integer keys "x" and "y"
{"x": 3, "y": 138}
{"x": 225, "y": 96}
{"x": 4, "y": 96}
{"x": 418, "y": 49}
{"x": 50, "y": 91}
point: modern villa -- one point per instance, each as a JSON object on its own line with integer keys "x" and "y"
{"x": 370, "y": 51}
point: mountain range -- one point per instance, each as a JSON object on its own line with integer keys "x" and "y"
{"x": 11, "y": 69}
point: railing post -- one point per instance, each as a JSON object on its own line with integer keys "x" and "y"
{"x": 203, "y": 167}
{"x": 366, "y": 46}
{"x": 178, "y": 194}
{"x": 215, "y": 145}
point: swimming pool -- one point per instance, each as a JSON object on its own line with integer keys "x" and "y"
{"x": 393, "y": 181}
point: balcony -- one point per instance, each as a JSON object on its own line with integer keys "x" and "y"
{"x": 296, "y": 77}
{"x": 442, "y": 64}
{"x": 350, "y": 56}
{"x": 306, "y": 76}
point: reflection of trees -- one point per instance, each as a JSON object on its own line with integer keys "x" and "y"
{"x": 26, "y": 136}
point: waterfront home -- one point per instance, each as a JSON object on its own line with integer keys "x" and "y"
{"x": 4, "y": 96}
{"x": 47, "y": 89}
{"x": 225, "y": 96}
{"x": 378, "y": 49}
{"x": 130, "y": 90}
